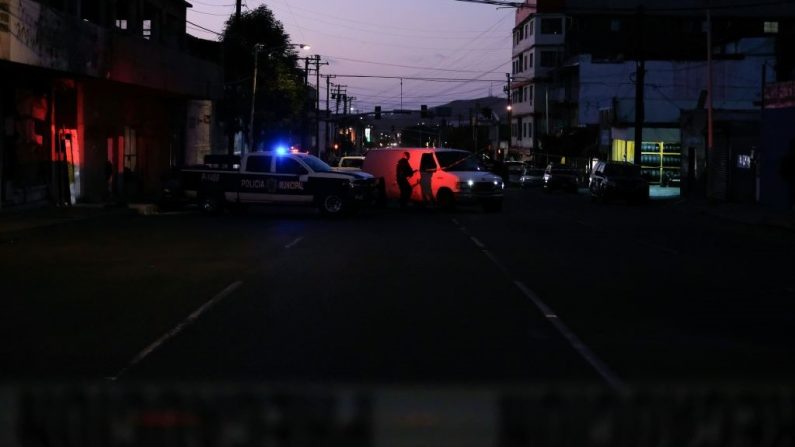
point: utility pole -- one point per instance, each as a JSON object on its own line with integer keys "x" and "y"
{"x": 510, "y": 114}
{"x": 238, "y": 4}
{"x": 253, "y": 101}
{"x": 317, "y": 102}
{"x": 709, "y": 84}
{"x": 640, "y": 80}
{"x": 328, "y": 109}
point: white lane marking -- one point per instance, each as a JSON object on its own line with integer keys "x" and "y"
{"x": 294, "y": 243}
{"x": 173, "y": 332}
{"x": 477, "y": 242}
{"x": 604, "y": 371}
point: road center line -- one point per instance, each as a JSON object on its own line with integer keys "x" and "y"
{"x": 294, "y": 243}
{"x": 477, "y": 242}
{"x": 176, "y": 330}
{"x": 604, "y": 371}
{"x": 601, "y": 368}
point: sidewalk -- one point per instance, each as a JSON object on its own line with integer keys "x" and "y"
{"x": 20, "y": 219}
{"x": 746, "y": 213}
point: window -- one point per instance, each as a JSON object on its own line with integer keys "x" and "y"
{"x": 530, "y": 60}
{"x": 771, "y": 27}
{"x": 527, "y": 63}
{"x": 551, "y": 26}
{"x": 521, "y": 62}
{"x": 530, "y": 89}
{"x": 258, "y": 164}
{"x": 121, "y": 23}
{"x": 519, "y": 128}
{"x": 549, "y": 59}
{"x": 524, "y": 94}
{"x": 286, "y": 165}
{"x": 530, "y": 130}
{"x": 531, "y": 27}
{"x": 427, "y": 163}
{"x": 526, "y": 35}
{"x": 147, "y": 29}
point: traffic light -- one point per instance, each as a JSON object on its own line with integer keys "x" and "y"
{"x": 424, "y": 111}
{"x": 378, "y": 112}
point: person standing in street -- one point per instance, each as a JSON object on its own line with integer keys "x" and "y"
{"x": 404, "y": 173}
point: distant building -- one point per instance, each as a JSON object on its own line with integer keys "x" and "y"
{"x": 100, "y": 98}
{"x": 574, "y": 71}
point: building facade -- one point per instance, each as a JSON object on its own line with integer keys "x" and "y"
{"x": 101, "y": 98}
{"x": 588, "y": 83}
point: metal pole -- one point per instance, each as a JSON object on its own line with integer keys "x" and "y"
{"x": 328, "y": 112}
{"x": 253, "y": 102}
{"x": 401, "y": 94}
{"x": 709, "y": 83}
{"x": 317, "y": 104}
{"x": 510, "y": 117}
{"x": 640, "y": 81}
{"x": 238, "y": 3}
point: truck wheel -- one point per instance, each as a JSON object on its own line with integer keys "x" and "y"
{"x": 211, "y": 203}
{"x": 445, "y": 199}
{"x": 380, "y": 195}
{"x": 332, "y": 205}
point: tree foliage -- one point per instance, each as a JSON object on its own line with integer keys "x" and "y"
{"x": 281, "y": 93}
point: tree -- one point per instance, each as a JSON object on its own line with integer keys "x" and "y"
{"x": 281, "y": 93}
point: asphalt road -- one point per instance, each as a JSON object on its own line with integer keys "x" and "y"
{"x": 553, "y": 289}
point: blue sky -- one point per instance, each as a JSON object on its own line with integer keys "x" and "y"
{"x": 440, "y": 39}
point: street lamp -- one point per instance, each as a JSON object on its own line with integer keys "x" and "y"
{"x": 257, "y": 48}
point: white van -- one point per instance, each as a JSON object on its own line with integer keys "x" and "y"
{"x": 445, "y": 176}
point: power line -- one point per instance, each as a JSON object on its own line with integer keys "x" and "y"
{"x": 203, "y": 28}
{"x": 209, "y": 13}
{"x": 417, "y": 78}
{"x": 408, "y": 66}
{"x": 634, "y": 9}
{"x": 212, "y": 4}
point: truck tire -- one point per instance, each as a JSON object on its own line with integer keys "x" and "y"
{"x": 332, "y": 205}
{"x": 380, "y": 194}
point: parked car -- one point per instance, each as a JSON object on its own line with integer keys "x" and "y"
{"x": 618, "y": 180}
{"x": 532, "y": 177}
{"x": 560, "y": 177}
{"x": 513, "y": 172}
{"x": 350, "y": 163}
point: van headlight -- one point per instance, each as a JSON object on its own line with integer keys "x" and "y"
{"x": 466, "y": 185}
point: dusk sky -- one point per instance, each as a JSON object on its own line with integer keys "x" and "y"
{"x": 442, "y": 39}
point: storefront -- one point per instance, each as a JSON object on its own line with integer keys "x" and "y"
{"x": 660, "y": 154}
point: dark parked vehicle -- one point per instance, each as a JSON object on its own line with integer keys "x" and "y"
{"x": 560, "y": 177}
{"x": 618, "y": 180}
{"x": 513, "y": 172}
{"x": 532, "y": 177}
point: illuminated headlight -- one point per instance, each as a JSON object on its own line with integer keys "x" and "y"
{"x": 466, "y": 185}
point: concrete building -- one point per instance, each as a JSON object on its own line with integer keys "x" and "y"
{"x": 100, "y": 99}
{"x": 586, "y": 84}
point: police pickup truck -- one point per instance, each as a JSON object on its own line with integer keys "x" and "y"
{"x": 278, "y": 177}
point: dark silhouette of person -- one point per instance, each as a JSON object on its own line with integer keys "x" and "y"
{"x": 404, "y": 173}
